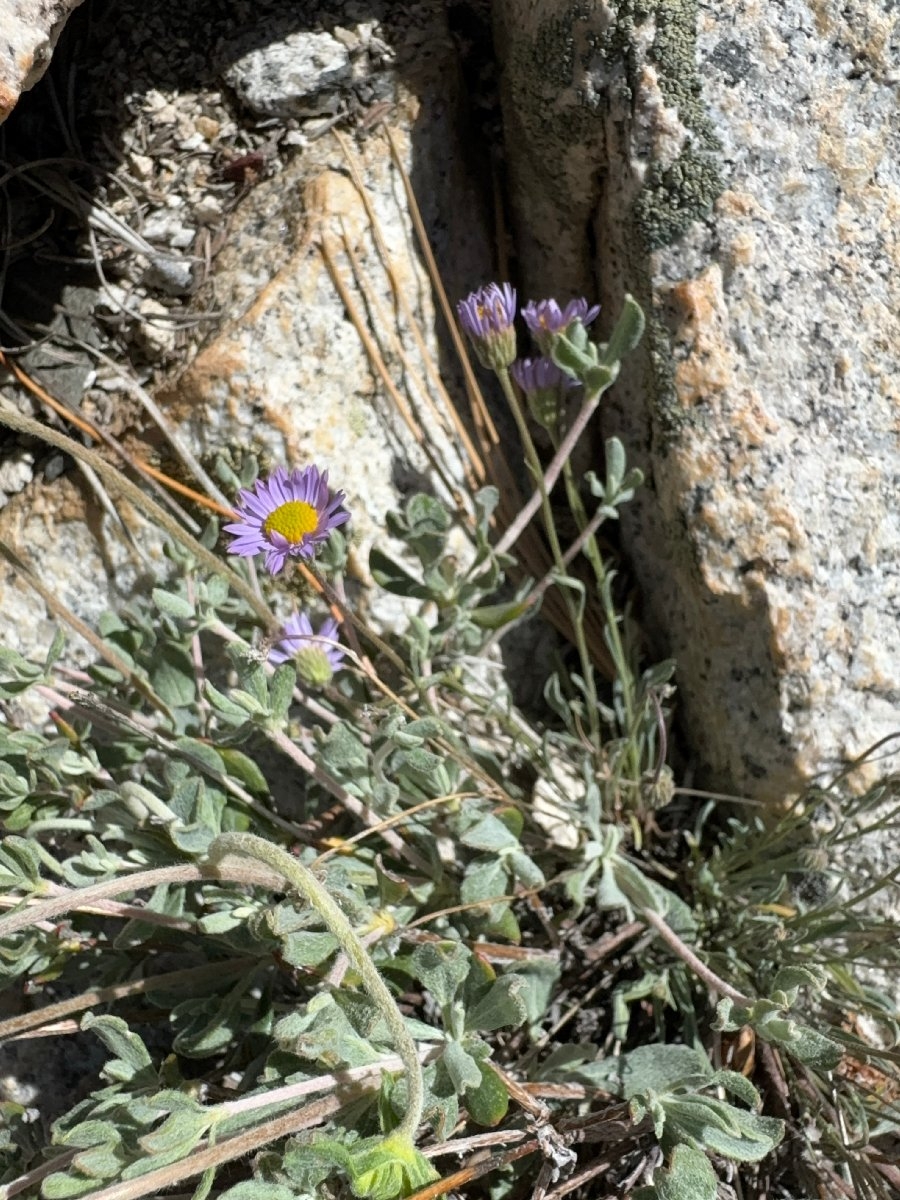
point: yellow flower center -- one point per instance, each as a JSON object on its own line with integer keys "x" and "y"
{"x": 293, "y": 520}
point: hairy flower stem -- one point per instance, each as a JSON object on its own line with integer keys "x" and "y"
{"x": 543, "y": 485}
{"x": 247, "y": 845}
{"x": 690, "y": 959}
{"x": 623, "y": 666}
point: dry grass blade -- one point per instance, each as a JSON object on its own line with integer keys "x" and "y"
{"x": 147, "y": 402}
{"x": 378, "y": 363}
{"x": 151, "y": 1183}
{"x": 116, "y": 481}
{"x": 98, "y": 435}
{"x": 459, "y": 1179}
{"x": 56, "y": 606}
{"x": 449, "y": 410}
{"x": 186, "y": 978}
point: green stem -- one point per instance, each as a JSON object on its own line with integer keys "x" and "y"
{"x": 624, "y": 673}
{"x": 249, "y": 846}
{"x": 534, "y": 464}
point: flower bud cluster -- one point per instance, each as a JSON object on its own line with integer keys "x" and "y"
{"x": 487, "y": 317}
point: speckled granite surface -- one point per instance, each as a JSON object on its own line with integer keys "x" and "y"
{"x": 738, "y": 168}
{"x": 28, "y": 33}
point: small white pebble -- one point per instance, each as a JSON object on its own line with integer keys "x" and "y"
{"x": 142, "y": 165}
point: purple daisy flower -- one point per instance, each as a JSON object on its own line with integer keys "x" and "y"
{"x": 487, "y": 317}
{"x": 286, "y": 516}
{"x": 545, "y": 318}
{"x": 316, "y": 654}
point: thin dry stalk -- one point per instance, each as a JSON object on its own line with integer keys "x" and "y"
{"x": 374, "y": 355}
{"x": 244, "y": 1143}
{"x": 383, "y": 329}
{"x": 59, "y": 609}
{"x": 116, "y": 481}
{"x": 102, "y": 908}
{"x": 350, "y": 803}
{"x": 137, "y": 464}
{"x": 449, "y": 409}
{"x": 92, "y": 708}
{"x": 186, "y": 978}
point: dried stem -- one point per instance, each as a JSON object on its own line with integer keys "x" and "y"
{"x": 120, "y": 991}
{"x": 690, "y": 959}
{"x": 154, "y": 1182}
{"x": 550, "y": 476}
{"x": 117, "y": 482}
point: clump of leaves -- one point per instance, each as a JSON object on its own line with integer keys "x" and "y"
{"x": 363, "y": 926}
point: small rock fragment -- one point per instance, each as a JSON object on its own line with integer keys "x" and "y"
{"x": 30, "y": 29}
{"x": 292, "y": 78}
{"x": 15, "y": 474}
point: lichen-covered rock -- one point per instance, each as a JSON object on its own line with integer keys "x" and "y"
{"x": 28, "y": 32}
{"x": 736, "y": 167}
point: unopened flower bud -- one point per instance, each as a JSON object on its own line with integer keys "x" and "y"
{"x": 315, "y": 655}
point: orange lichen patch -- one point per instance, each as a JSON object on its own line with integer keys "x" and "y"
{"x": 51, "y": 503}
{"x": 853, "y": 157}
{"x": 335, "y": 198}
{"x": 218, "y": 364}
{"x": 780, "y": 517}
{"x": 280, "y": 419}
{"x": 8, "y": 98}
{"x": 739, "y": 204}
{"x": 751, "y": 421}
{"x": 781, "y": 625}
{"x": 706, "y": 369}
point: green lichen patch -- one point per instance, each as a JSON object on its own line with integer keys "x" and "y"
{"x": 676, "y": 194}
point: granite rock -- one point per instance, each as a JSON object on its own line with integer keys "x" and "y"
{"x": 30, "y": 30}
{"x": 280, "y": 370}
{"x": 736, "y": 167}
{"x": 298, "y": 76}
{"x": 287, "y": 376}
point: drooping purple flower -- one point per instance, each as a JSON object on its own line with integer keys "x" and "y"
{"x": 286, "y": 516}
{"x": 487, "y": 318}
{"x": 316, "y": 654}
{"x": 539, "y": 374}
{"x": 545, "y": 318}
{"x": 544, "y": 385}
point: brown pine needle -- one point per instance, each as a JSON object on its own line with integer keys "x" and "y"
{"x": 462, "y": 433}
{"x": 92, "y": 431}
